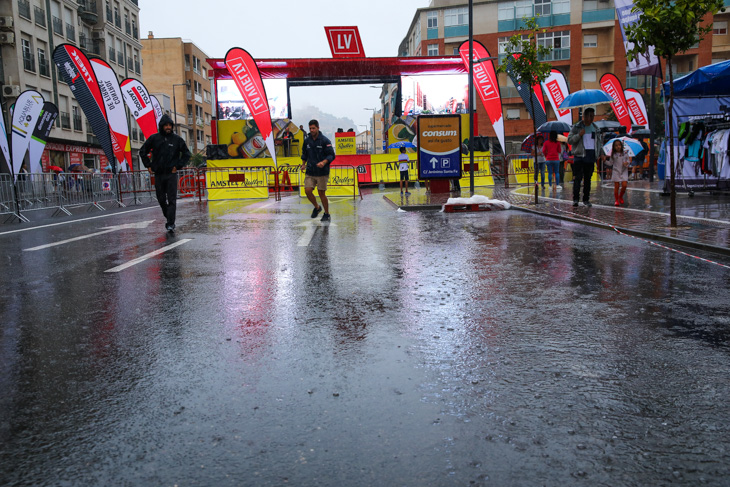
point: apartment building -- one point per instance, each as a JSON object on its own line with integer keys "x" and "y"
{"x": 29, "y": 32}
{"x": 584, "y": 35}
{"x": 177, "y": 68}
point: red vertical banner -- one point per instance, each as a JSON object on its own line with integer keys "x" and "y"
{"x": 46, "y": 160}
{"x": 486, "y": 85}
{"x": 557, "y": 89}
{"x": 612, "y": 85}
{"x": 75, "y": 158}
{"x": 247, "y": 77}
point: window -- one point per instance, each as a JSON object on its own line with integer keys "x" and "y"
{"x": 719, "y": 28}
{"x": 456, "y": 51}
{"x": 590, "y": 40}
{"x": 417, "y": 34}
{"x": 433, "y": 49}
{"x": 561, "y": 7}
{"x": 590, "y": 75}
{"x": 589, "y": 5}
{"x": 513, "y": 114}
{"x": 28, "y": 59}
{"x": 559, "y": 41}
{"x": 433, "y": 20}
{"x": 43, "y": 63}
{"x": 542, "y": 7}
{"x": 456, "y": 16}
{"x": 515, "y": 10}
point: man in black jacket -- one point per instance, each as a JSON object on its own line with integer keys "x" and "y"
{"x": 169, "y": 155}
{"x": 317, "y": 155}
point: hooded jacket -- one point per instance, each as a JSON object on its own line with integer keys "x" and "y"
{"x": 168, "y": 151}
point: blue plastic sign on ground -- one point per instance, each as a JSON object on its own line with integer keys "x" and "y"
{"x": 439, "y": 147}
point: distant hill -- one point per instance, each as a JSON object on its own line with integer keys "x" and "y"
{"x": 328, "y": 123}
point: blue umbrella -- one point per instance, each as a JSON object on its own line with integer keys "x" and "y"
{"x": 584, "y": 98}
{"x": 404, "y": 143}
{"x": 631, "y": 146}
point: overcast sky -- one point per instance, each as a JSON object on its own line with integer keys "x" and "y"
{"x": 287, "y": 29}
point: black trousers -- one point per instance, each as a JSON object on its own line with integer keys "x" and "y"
{"x": 166, "y": 190}
{"x": 583, "y": 168}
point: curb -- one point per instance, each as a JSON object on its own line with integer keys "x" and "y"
{"x": 636, "y": 233}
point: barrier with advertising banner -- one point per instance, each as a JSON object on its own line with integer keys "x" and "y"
{"x": 342, "y": 182}
{"x": 522, "y": 171}
{"x": 225, "y": 180}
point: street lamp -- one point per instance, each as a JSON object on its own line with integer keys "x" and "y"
{"x": 174, "y": 106}
{"x": 375, "y": 110}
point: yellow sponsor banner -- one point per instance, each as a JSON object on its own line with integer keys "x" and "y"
{"x": 342, "y": 182}
{"x": 384, "y": 168}
{"x": 236, "y": 179}
{"x": 482, "y": 170}
{"x": 524, "y": 172}
{"x": 345, "y": 145}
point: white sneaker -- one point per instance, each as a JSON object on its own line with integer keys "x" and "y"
{"x": 559, "y": 187}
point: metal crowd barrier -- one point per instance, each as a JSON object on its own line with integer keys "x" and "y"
{"x": 7, "y": 198}
{"x": 236, "y": 182}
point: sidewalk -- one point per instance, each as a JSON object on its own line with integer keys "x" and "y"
{"x": 703, "y": 221}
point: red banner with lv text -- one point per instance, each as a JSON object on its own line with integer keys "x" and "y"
{"x": 612, "y": 85}
{"x": 247, "y": 77}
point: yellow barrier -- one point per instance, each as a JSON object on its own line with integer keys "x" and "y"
{"x": 342, "y": 182}
{"x": 523, "y": 171}
{"x": 225, "y": 182}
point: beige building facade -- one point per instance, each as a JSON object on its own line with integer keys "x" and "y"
{"x": 29, "y": 32}
{"x": 176, "y": 68}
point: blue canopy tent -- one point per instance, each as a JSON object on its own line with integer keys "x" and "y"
{"x": 701, "y": 95}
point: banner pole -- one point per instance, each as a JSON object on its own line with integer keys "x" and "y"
{"x": 471, "y": 97}
{"x": 652, "y": 121}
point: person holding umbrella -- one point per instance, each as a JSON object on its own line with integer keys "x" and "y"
{"x": 583, "y": 138}
{"x": 618, "y": 160}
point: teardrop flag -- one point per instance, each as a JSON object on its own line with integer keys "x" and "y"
{"x": 28, "y": 108}
{"x": 247, "y": 77}
{"x": 557, "y": 89}
{"x": 637, "y": 107}
{"x": 116, "y": 115}
{"x": 40, "y": 136}
{"x": 140, "y": 105}
{"x": 534, "y": 101}
{"x": 486, "y": 85}
{"x": 77, "y": 72}
{"x": 612, "y": 85}
{"x": 158, "y": 109}
{"x": 4, "y": 140}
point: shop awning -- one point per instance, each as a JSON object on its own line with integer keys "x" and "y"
{"x": 712, "y": 80}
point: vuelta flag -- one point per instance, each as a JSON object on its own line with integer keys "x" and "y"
{"x": 140, "y": 104}
{"x": 612, "y": 85}
{"x": 40, "y": 135}
{"x": 557, "y": 89}
{"x": 158, "y": 110}
{"x": 78, "y": 74}
{"x": 408, "y": 107}
{"x": 248, "y": 80}
{"x": 637, "y": 107}
{"x": 28, "y": 108}
{"x": 647, "y": 63}
{"x": 116, "y": 115}
{"x": 533, "y": 98}
{"x": 487, "y": 85}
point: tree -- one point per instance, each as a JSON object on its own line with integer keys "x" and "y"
{"x": 527, "y": 68}
{"x": 671, "y": 27}
{"x": 198, "y": 160}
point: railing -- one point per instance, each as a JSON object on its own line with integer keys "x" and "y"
{"x": 24, "y": 9}
{"x": 70, "y": 32}
{"x": 65, "y": 120}
{"x": 44, "y": 67}
{"x": 112, "y": 54}
{"x": 120, "y": 58}
{"x": 57, "y": 25}
{"x": 109, "y": 15}
{"x": 137, "y": 67}
{"x": 77, "y": 122}
{"x": 40, "y": 16}
{"x": 117, "y": 20}
{"x": 29, "y": 61}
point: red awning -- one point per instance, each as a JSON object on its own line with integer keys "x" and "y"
{"x": 347, "y": 69}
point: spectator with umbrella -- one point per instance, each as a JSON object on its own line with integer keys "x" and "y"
{"x": 583, "y": 139}
{"x": 618, "y": 161}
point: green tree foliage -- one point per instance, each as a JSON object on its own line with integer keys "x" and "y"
{"x": 671, "y": 27}
{"x": 527, "y": 67}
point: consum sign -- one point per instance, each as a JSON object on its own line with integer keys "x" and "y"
{"x": 439, "y": 146}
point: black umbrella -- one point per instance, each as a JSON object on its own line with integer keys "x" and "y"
{"x": 555, "y": 125}
{"x": 607, "y": 124}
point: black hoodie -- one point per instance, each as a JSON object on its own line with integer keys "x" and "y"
{"x": 167, "y": 151}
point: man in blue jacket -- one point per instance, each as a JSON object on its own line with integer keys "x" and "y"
{"x": 169, "y": 155}
{"x": 317, "y": 155}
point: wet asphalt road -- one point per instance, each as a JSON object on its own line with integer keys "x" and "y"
{"x": 387, "y": 348}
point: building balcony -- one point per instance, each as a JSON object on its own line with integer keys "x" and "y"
{"x": 112, "y": 55}
{"x": 44, "y": 68}
{"x": 433, "y": 33}
{"x": 117, "y": 20}
{"x": 198, "y": 98}
{"x": 40, "y": 16}
{"x": 24, "y": 9}
{"x": 109, "y": 15}
{"x": 29, "y": 62}
{"x": 70, "y": 32}
{"x": 557, "y": 55}
{"x": 456, "y": 31}
{"x": 87, "y": 11}
{"x": 77, "y": 123}
{"x": 65, "y": 120}
{"x": 543, "y": 21}
{"x": 120, "y": 58}
{"x": 57, "y": 26}
{"x": 600, "y": 15}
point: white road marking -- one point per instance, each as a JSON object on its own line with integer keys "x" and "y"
{"x": 136, "y": 261}
{"x": 310, "y": 229}
{"x": 79, "y": 220}
{"x": 82, "y": 237}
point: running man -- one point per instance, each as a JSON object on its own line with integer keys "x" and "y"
{"x": 317, "y": 155}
